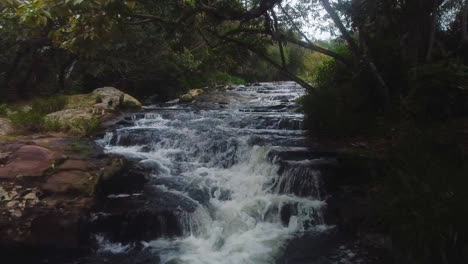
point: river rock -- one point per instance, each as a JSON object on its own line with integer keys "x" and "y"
{"x": 71, "y": 181}
{"x": 29, "y": 161}
{"x": 102, "y": 99}
{"x": 76, "y": 121}
{"x": 131, "y": 102}
{"x": 110, "y": 97}
{"x": 191, "y": 95}
{"x": 5, "y": 126}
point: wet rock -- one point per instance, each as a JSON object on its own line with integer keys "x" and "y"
{"x": 119, "y": 176}
{"x": 298, "y": 153}
{"x": 28, "y": 161}
{"x": 153, "y": 214}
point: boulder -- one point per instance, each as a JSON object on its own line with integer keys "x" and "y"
{"x": 28, "y": 161}
{"x": 191, "y": 95}
{"x": 186, "y": 98}
{"x": 102, "y": 100}
{"x": 109, "y": 97}
{"x": 130, "y": 102}
{"x": 76, "y": 121}
{"x": 5, "y": 126}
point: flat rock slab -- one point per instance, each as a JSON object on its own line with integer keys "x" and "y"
{"x": 74, "y": 164}
{"x": 70, "y": 181}
{"x": 28, "y": 161}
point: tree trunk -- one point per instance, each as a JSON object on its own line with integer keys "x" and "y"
{"x": 64, "y": 73}
{"x": 383, "y": 88}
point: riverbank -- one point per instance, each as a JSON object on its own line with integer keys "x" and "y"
{"x": 408, "y": 190}
{"x": 51, "y": 181}
{"x": 48, "y": 185}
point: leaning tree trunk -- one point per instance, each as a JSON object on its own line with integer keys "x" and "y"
{"x": 383, "y": 88}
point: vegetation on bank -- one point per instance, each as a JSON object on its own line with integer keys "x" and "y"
{"x": 31, "y": 117}
{"x": 420, "y": 132}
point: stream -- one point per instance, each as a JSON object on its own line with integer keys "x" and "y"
{"x": 229, "y": 184}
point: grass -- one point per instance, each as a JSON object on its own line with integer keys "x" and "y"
{"x": 33, "y": 120}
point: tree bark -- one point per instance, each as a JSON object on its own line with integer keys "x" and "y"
{"x": 383, "y": 88}
{"x": 63, "y": 74}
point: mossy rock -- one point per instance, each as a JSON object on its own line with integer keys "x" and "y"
{"x": 75, "y": 121}
{"x": 79, "y": 101}
{"x": 131, "y": 102}
{"x": 107, "y": 97}
{"x": 191, "y": 95}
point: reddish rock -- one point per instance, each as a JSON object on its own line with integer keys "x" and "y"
{"x": 73, "y": 164}
{"x": 28, "y": 161}
{"x": 71, "y": 181}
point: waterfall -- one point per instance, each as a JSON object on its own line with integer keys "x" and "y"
{"x": 235, "y": 178}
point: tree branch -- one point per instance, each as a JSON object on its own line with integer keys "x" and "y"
{"x": 263, "y": 56}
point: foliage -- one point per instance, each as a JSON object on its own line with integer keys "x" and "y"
{"x": 340, "y": 103}
{"x": 27, "y": 121}
{"x": 31, "y": 119}
{"x": 49, "y": 105}
{"x": 423, "y": 196}
{"x": 439, "y": 91}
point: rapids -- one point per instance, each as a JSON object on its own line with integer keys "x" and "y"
{"x": 237, "y": 180}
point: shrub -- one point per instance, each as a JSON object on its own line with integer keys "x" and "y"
{"x": 439, "y": 91}
{"x": 222, "y": 78}
{"x": 49, "y": 105}
{"x": 341, "y": 103}
{"x": 423, "y": 198}
{"x": 52, "y": 125}
{"x": 33, "y": 119}
{"x": 27, "y": 121}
